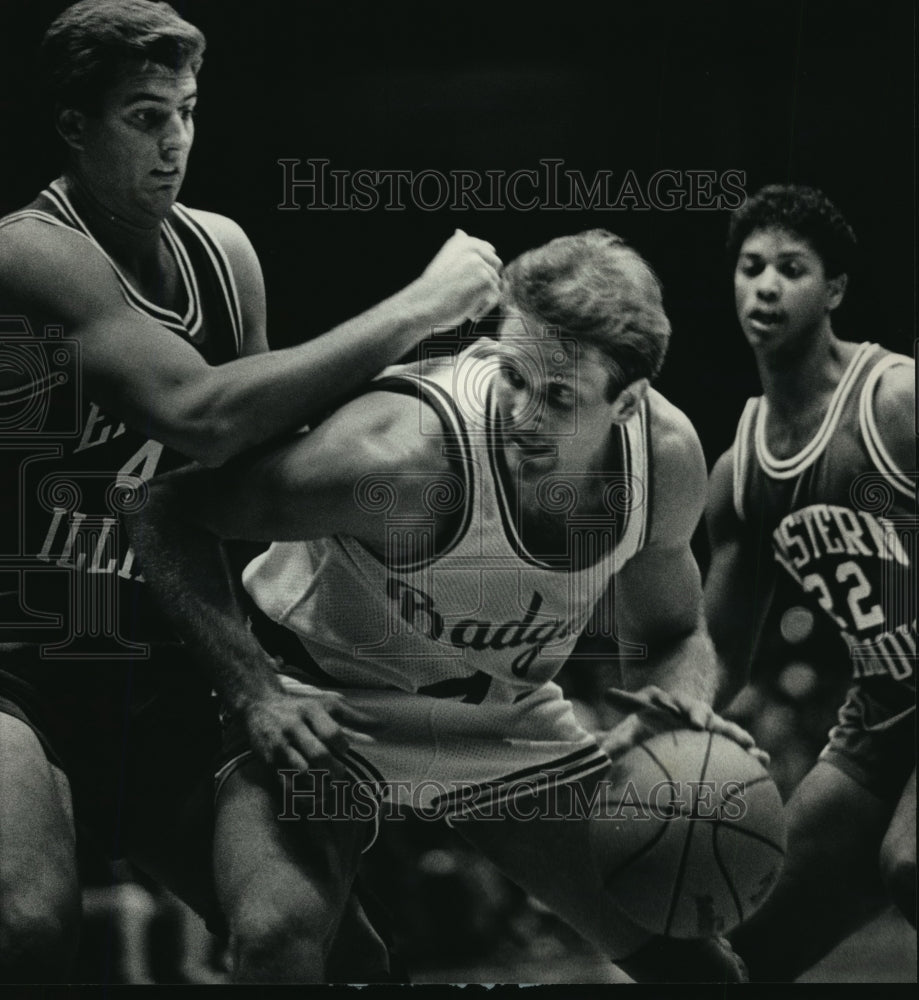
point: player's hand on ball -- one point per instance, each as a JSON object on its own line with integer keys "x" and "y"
{"x": 303, "y": 727}
{"x": 654, "y": 710}
{"x": 462, "y": 281}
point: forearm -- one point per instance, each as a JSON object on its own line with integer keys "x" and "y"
{"x": 686, "y": 665}
{"x": 186, "y": 567}
{"x": 257, "y": 398}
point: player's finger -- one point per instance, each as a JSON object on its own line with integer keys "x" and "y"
{"x": 293, "y": 760}
{"x": 699, "y": 714}
{"x": 357, "y": 718}
{"x": 628, "y": 733}
{"x": 487, "y": 252}
{"x": 313, "y": 749}
{"x": 732, "y": 731}
{"x": 672, "y": 703}
{"x": 354, "y": 736}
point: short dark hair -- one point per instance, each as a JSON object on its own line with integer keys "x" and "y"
{"x": 597, "y": 290}
{"x": 87, "y": 47}
{"x": 802, "y": 211}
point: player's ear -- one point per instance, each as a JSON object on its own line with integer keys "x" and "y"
{"x": 836, "y": 290}
{"x": 70, "y": 125}
{"x": 629, "y": 399}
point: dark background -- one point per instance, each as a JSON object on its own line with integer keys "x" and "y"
{"x": 816, "y": 92}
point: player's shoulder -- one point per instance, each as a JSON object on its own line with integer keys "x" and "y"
{"x": 52, "y": 264}
{"x": 679, "y": 473}
{"x": 894, "y": 406}
{"x": 227, "y": 232}
{"x": 675, "y": 444}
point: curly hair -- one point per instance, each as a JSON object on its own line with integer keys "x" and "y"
{"x": 87, "y": 47}
{"x": 803, "y": 211}
{"x": 599, "y": 291}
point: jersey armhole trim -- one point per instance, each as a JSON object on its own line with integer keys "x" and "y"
{"x": 871, "y": 434}
{"x": 457, "y": 450}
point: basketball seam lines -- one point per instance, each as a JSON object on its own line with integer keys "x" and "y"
{"x": 725, "y": 873}
{"x": 653, "y": 842}
{"x": 754, "y": 835}
{"x": 677, "y": 882}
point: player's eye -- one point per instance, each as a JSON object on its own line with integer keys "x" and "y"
{"x": 792, "y": 269}
{"x": 512, "y": 376}
{"x": 750, "y": 268}
{"x": 561, "y": 397}
{"x": 187, "y": 114}
{"x": 148, "y": 117}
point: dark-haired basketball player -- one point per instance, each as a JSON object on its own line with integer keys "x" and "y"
{"x": 133, "y": 333}
{"x": 440, "y": 544}
{"x": 820, "y": 487}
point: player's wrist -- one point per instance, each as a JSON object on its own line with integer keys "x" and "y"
{"x": 260, "y": 686}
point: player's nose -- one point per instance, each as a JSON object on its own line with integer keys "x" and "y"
{"x": 768, "y": 285}
{"x": 176, "y": 136}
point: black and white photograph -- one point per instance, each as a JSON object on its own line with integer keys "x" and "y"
{"x": 458, "y": 469}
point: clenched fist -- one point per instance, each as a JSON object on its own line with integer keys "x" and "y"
{"x": 461, "y": 282}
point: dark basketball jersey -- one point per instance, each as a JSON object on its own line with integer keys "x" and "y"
{"x": 68, "y": 578}
{"x": 839, "y": 518}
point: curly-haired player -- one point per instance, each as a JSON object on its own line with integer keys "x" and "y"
{"x": 819, "y": 489}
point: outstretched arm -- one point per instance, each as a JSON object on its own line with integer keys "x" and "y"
{"x": 142, "y": 373}
{"x": 736, "y": 590}
{"x": 304, "y": 488}
{"x": 659, "y": 596}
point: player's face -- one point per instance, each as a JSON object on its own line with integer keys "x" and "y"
{"x": 781, "y": 290}
{"x": 135, "y": 151}
{"x": 551, "y": 400}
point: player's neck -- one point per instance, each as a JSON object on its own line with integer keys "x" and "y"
{"x": 128, "y": 241}
{"x": 799, "y": 381}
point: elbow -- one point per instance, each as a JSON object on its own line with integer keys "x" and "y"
{"x": 212, "y": 432}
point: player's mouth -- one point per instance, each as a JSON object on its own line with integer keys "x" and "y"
{"x": 167, "y": 175}
{"x": 529, "y": 445}
{"x": 765, "y": 320}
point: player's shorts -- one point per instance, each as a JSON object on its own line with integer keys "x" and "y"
{"x": 136, "y": 739}
{"x": 874, "y": 748}
{"x": 440, "y": 758}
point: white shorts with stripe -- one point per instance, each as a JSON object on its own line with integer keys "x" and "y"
{"x": 440, "y": 758}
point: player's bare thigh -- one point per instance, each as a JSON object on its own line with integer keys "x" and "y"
{"x": 898, "y": 852}
{"x": 282, "y": 883}
{"x": 39, "y": 889}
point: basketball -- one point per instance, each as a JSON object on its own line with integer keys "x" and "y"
{"x": 690, "y": 837}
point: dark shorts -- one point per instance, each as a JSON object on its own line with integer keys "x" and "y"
{"x": 879, "y": 755}
{"x": 137, "y": 741}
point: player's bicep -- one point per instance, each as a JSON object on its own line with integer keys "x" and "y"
{"x": 731, "y": 581}
{"x": 129, "y": 364}
{"x": 289, "y": 493}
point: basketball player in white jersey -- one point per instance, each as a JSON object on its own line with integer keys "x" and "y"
{"x": 439, "y": 545}
{"x": 132, "y": 333}
{"x": 817, "y": 497}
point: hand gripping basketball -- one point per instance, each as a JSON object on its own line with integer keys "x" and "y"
{"x": 690, "y": 837}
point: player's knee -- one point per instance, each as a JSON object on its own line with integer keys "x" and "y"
{"x": 276, "y": 942}
{"x": 898, "y": 869}
{"x": 38, "y": 933}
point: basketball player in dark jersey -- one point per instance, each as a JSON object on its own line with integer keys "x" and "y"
{"x": 818, "y": 496}
{"x": 132, "y": 334}
{"x": 429, "y": 574}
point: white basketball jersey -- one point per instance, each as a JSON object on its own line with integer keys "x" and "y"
{"x": 484, "y": 618}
